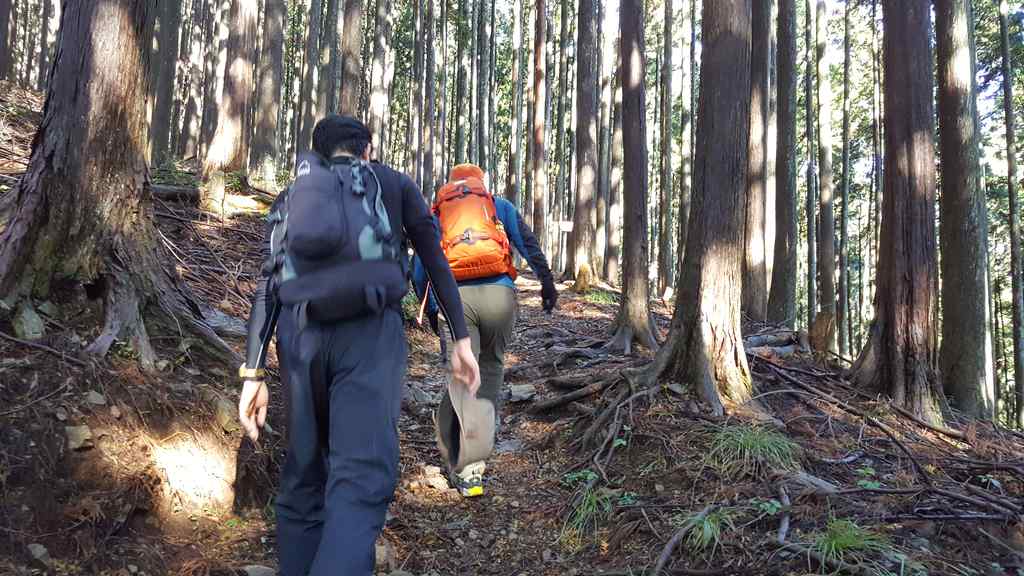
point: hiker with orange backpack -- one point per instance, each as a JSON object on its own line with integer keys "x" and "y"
{"x": 478, "y": 233}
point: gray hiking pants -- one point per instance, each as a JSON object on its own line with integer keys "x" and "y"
{"x": 490, "y": 312}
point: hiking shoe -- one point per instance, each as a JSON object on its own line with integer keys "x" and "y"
{"x": 470, "y": 481}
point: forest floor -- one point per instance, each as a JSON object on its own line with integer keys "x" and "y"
{"x": 110, "y": 471}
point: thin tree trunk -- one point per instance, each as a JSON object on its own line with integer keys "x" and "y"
{"x": 351, "y": 58}
{"x": 191, "y": 123}
{"x": 826, "y": 233}
{"x": 665, "y": 278}
{"x": 634, "y": 322}
{"x": 429, "y": 109}
{"x": 843, "y": 314}
{"x": 461, "y": 80}
{"x": 12, "y": 66}
{"x": 539, "y": 102}
{"x": 416, "y": 98}
{"x": 44, "y": 43}
{"x": 69, "y": 225}
{"x": 614, "y": 230}
{"x": 381, "y": 75}
{"x": 6, "y": 21}
{"x": 167, "y": 58}
{"x": 560, "y": 154}
{"x": 782, "y": 300}
{"x": 514, "y": 142}
{"x": 483, "y": 54}
{"x": 900, "y": 356}
{"x": 876, "y": 139}
{"x": 705, "y": 346}
{"x": 809, "y": 115}
{"x": 962, "y": 356}
{"x": 265, "y": 157}
{"x": 311, "y": 78}
{"x": 1016, "y": 272}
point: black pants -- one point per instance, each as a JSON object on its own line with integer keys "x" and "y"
{"x": 344, "y": 386}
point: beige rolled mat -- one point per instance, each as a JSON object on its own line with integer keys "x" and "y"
{"x": 476, "y": 426}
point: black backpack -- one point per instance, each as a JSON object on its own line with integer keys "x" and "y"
{"x": 333, "y": 254}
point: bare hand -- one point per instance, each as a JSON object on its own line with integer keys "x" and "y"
{"x": 252, "y": 407}
{"x": 464, "y": 366}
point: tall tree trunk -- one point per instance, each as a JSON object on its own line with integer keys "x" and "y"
{"x": 584, "y": 226}
{"x": 809, "y": 115}
{"x": 689, "y": 131}
{"x": 483, "y": 54}
{"x": 44, "y": 43}
{"x": 492, "y": 87}
{"x": 70, "y": 225}
{"x": 311, "y": 76}
{"x": 461, "y": 81}
{"x": 634, "y": 322}
{"x": 381, "y": 75}
{"x": 5, "y": 38}
{"x": 416, "y": 98}
{"x": 265, "y": 157}
{"x": 12, "y": 43}
{"x": 351, "y": 58}
{"x": 782, "y": 300}
{"x": 755, "y": 273}
{"x": 28, "y": 53}
{"x": 167, "y": 58}
{"x": 826, "y": 318}
{"x": 191, "y": 122}
{"x": 329, "y": 61}
{"x": 561, "y": 156}
{"x": 963, "y": 219}
{"x": 899, "y": 358}
{"x": 612, "y": 266}
{"x": 705, "y": 346}
{"x": 843, "y": 314}
{"x": 665, "y": 202}
{"x": 514, "y": 142}
{"x": 230, "y": 148}
{"x": 539, "y": 102}
{"x": 608, "y": 35}
{"x": 429, "y": 108}
{"x": 1016, "y": 272}
{"x": 876, "y": 146}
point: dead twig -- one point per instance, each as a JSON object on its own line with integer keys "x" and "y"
{"x": 45, "y": 348}
{"x": 36, "y": 401}
{"x": 548, "y": 404}
{"x": 666, "y": 552}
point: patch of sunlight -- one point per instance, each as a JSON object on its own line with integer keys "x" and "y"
{"x": 235, "y": 205}
{"x": 199, "y": 474}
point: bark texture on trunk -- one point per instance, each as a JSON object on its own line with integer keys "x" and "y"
{"x": 265, "y": 157}
{"x": 5, "y": 38}
{"x": 705, "y": 346}
{"x": 612, "y": 262}
{"x": 351, "y": 59}
{"x": 634, "y": 322}
{"x": 44, "y": 43}
{"x": 665, "y": 129}
{"x": 310, "y": 77}
{"x": 70, "y": 225}
{"x": 843, "y": 314}
{"x": 964, "y": 358}
{"x": 755, "y": 272}
{"x": 900, "y": 356}
{"x": 811, "y": 196}
{"x": 782, "y": 300}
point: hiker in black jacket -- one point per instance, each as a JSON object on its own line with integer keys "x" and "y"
{"x": 331, "y": 288}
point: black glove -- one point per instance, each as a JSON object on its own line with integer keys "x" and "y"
{"x": 548, "y": 295}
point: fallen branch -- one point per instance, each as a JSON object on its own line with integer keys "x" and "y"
{"x": 44, "y": 348}
{"x": 548, "y": 404}
{"x": 174, "y": 193}
{"x": 770, "y": 340}
{"x": 774, "y": 351}
{"x": 784, "y": 522}
{"x": 666, "y": 552}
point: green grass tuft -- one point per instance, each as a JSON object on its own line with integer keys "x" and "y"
{"x": 703, "y": 530}
{"x": 591, "y": 506}
{"x": 598, "y": 296}
{"x": 174, "y": 174}
{"x": 741, "y": 449}
{"x": 844, "y": 541}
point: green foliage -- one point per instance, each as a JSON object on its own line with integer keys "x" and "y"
{"x": 628, "y": 498}
{"x": 591, "y": 505}
{"x": 703, "y": 530}
{"x": 173, "y": 174}
{"x": 746, "y": 450}
{"x": 235, "y": 182}
{"x": 867, "y": 478}
{"x": 844, "y": 541}
{"x": 410, "y": 307}
{"x": 598, "y": 296}
{"x": 766, "y": 507}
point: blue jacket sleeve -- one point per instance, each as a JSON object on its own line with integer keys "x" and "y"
{"x": 523, "y": 240}
{"x": 419, "y": 283}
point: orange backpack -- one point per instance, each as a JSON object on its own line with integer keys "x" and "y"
{"x": 472, "y": 236}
